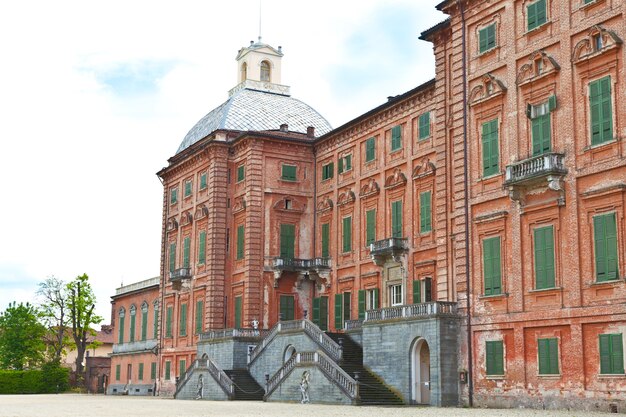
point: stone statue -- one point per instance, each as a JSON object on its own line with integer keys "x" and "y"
{"x": 200, "y": 388}
{"x": 304, "y": 388}
{"x": 255, "y": 324}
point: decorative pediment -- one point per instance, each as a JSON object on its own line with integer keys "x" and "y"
{"x": 290, "y": 204}
{"x": 186, "y": 218}
{"x": 346, "y": 197}
{"x": 369, "y": 189}
{"x": 425, "y": 169}
{"x": 396, "y": 179}
{"x": 540, "y": 64}
{"x": 488, "y": 88}
{"x": 239, "y": 205}
{"x": 172, "y": 224}
{"x": 597, "y": 42}
{"x": 325, "y": 205}
{"x": 201, "y": 212}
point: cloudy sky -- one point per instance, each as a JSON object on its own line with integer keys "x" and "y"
{"x": 95, "y": 96}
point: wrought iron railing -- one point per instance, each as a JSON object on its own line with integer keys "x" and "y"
{"x": 549, "y": 163}
{"x": 435, "y": 308}
{"x": 392, "y": 243}
{"x": 180, "y": 273}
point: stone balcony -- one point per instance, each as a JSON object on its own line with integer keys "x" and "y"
{"x": 393, "y": 247}
{"x": 135, "y": 347}
{"x": 317, "y": 269}
{"x": 542, "y": 170}
{"x": 180, "y": 277}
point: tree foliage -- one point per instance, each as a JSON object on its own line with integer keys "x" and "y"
{"x": 53, "y": 309}
{"x": 21, "y": 337}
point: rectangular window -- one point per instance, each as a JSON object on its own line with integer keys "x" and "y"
{"x": 347, "y": 306}
{"x": 611, "y": 354}
{"x": 202, "y": 248}
{"x": 494, "y": 352}
{"x": 361, "y": 301}
{"x": 168, "y": 321}
{"x": 428, "y": 290}
{"x": 425, "y": 212}
{"x": 492, "y": 266}
{"x": 140, "y": 372}
{"x": 370, "y": 226}
{"x": 396, "y": 218}
{"x": 168, "y": 369}
{"x": 320, "y": 312}
{"x": 118, "y": 371}
{"x": 287, "y": 241}
{"x": 536, "y": 14}
{"x": 424, "y": 126}
{"x": 396, "y": 138}
{"x": 172, "y": 257}
{"x": 241, "y": 173}
{"x": 372, "y": 298}
{"x": 153, "y": 370}
{"x": 370, "y": 149}
{"x": 396, "y": 294}
{"x": 347, "y": 234}
{"x": 601, "y": 110}
{"x": 188, "y": 185}
{"x": 605, "y": 247}
{"x": 182, "y": 368}
{"x": 548, "y": 355}
{"x": 203, "y": 183}
{"x": 338, "y": 311}
{"x": 327, "y": 171}
{"x": 199, "y": 315}
{"x": 173, "y": 195}
{"x": 490, "y": 148}
{"x": 238, "y": 307}
{"x": 287, "y": 307}
{"x": 345, "y": 164}
{"x": 542, "y": 140}
{"x": 288, "y": 173}
{"x": 182, "y": 324}
{"x": 544, "y": 257}
{"x": 487, "y": 38}
{"x": 325, "y": 240}
{"x": 240, "y": 234}
{"x": 186, "y": 249}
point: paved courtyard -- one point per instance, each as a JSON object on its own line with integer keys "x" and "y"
{"x": 75, "y": 405}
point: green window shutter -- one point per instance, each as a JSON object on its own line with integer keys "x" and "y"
{"x": 340, "y": 166}
{"x": 605, "y": 354}
{"x": 155, "y": 325}
{"x": 424, "y": 126}
{"x": 144, "y": 325}
{"x": 324, "y": 313}
{"x": 490, "y": 148}
{"x": 240, "y": 236}
{"x": 544, "y": 257}
{"x": 140, "y": 372}
{"x": 172, "y": 257}
{"x": 287, "y": 240}
{"x": 487, "y": 38}
{"x": 168, "y": 369}
{"x": 376, "y": 298}
{"x": 370, "y": 226}
{"x": 601, "y": 110}
{"x": 120, "y": 338}
{"x": 348, "y": 163}
{"x": 237, "y": 324}
{"x": 118, "y": 371}
{"x": 396, "y": 138}
{"x": 328, "y": 171}
{"x": 428, "y": 290}
{"x": 548, "y": 356}
{"x": 203, "y": 183}
{"x": 153, "y": 370}
{"x": 611, "y": 354}
{"x": 182, "y": 368}
{"x": 552, "y": 103}
{"x": 182, "y": 331}
{"x": 316, "y": 311}
{"x": 289, "y": 172}
{"x": 188, "y": 185}
{"x": 541, "y": 132}
{"x": 199, "y": 315}
{"x": 202, "y": 248}
{"x": 173, "y": 195}
{"x": 495, "y": 357}
{"x": 338, "y": 312}
{"x": 168, "y": 321}
{"x": 396, "y": 219}
{"x": 287, "y": 308}
{"x": 370, "y": 149}
{"x": 537, "y": 14}
{"x": 425, "y": 212}
{"x": 492, "y": 266}
{"x": 325, "y": 239}
{"x": 417, "y": 291}
{"x": 186, "y": 249}
{"x": 347, "y": 234}
{"x": 361, "y": 295}
{"x": 347, "y": 307}
{"x": 605, "y": 244}
{"x": 241, "y": 173}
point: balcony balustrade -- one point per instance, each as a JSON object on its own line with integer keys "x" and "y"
{"x": 392, "y": 247}
{"x": 294, "y": 264}
{"x": 180, "y": 273}
{"x": 548, "y": 168}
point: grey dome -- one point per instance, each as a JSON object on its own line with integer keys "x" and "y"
{"x": 251, "y": 110}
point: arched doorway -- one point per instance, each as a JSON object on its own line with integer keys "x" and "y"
{"x": 420, "y": 372}
{"x": 289, "y": 352}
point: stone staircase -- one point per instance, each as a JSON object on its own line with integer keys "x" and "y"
{"x": 372, "y": 390}
{"x": 246, "y": 387}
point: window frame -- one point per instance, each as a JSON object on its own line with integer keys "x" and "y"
{"x": 492, "y": 289}
{"x": 423, "y": 126}
{"x": 613, "y": 368}
{"x": 548, "y": 281}
{"x": 396, "y": 138}
{"x": 285, "y": 177}
{"x": 495, "y": 349}
{"x": 610, "y": 274}
{"x": 603, "y": 119}
{"x": 395, "y": 294}
{"x": 534, "y": 6}
{"x": 328, "y": 171}
{"x": 173, "y": 196}
{"x": 370, "y": 149}
{"x": 489, "y": 139}
{"x": 484, "y": 44}
{"x": 188, "y": 184}
{"x": 551, "y": 355}
{"x": 241, "y": 173}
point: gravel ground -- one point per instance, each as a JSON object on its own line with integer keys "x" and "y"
{"x": 76, "y": 405}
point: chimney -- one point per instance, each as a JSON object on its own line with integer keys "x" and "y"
{"x": 284, "y": 127}
{"x": 310, "y": 132}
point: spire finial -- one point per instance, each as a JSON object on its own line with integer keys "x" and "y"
{"x": 260, "y": 15}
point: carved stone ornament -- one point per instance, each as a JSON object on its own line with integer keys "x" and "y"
{"x": 425, "y": 169}
{"x": 201, "y": 212}
{"x": 488, "y": 88}
{"x": 172, "y": 224}
{"x": 325, "y": 205}
{"x": 396, "y": 179}
{"x": 369, "y": 189}
{"x": 540, "y": 64}
{"x": 290, "y": 204}
{"x": 240, "y": 204}
{"x": 346, "y": 197}
{"x": 598, "y": 41}
{"x": 186, "y": 218}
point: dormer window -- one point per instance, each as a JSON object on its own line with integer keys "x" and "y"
{"x": 265, "y": 71}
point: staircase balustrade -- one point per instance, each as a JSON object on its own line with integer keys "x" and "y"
{"x": 218, "y": 374}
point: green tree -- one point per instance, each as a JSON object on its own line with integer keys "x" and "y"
{"x": 81, "y": 304}
{"x": 21, "y": 337}
{"x": 53, "y": 308}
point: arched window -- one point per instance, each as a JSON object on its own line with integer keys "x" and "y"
{"x": 122, "y": 314}
{"x": 144, "y": 320}
{"x": 265, "y": 71}
{"x": 133, "y": 313}
{"x": 244, "y": 72}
